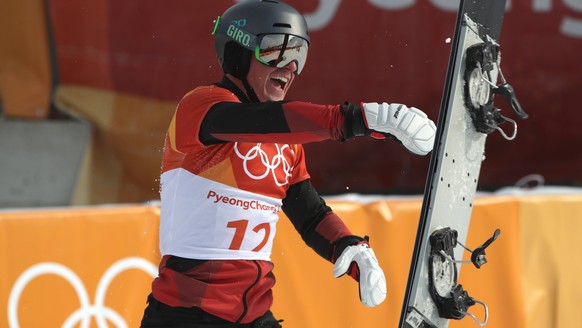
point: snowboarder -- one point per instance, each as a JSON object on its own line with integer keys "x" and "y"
{"x": 233, "y": 160}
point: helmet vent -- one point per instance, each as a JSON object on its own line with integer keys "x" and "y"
{"x": 282, "y": 25}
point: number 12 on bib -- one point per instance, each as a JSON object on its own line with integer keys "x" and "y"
{"x": 467, "y": 115}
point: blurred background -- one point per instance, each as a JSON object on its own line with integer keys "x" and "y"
{"x": 88, "y": 89}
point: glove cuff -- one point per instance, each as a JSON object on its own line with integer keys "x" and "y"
{"x": 354, "y": 121}
{"x": 340, "y": 245}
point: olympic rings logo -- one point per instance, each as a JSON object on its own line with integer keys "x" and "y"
{"x": 86, "y": 311}
{"x": 271, "y": 165}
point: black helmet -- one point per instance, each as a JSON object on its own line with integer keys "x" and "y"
{"x": 253, "y": 18}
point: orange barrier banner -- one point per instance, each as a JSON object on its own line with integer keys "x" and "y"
{"x": 551, "y": 261}
{"x": 65, "y": 267}
{"x": 92, "y": 267}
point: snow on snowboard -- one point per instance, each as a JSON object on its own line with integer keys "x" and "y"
{"x": 433, "y": 293}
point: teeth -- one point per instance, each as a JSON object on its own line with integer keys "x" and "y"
{"x": 281, "y": 79}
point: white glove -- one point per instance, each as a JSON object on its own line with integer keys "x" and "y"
{"x": 372, "y": 280}
{"x": 408, "y": 124}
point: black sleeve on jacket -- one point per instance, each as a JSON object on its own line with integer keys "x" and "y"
{"x": 279, "y": 121}
{"x": 305, "y": 208}
{"x": 233, "y": 118}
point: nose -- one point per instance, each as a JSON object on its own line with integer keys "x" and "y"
{"x": 292, "y": 66}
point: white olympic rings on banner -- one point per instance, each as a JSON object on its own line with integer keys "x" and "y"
{"x": 271, "y": 165}
{"x": 86, "y": 311}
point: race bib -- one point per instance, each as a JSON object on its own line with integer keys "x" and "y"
{"x": 216, "y": 221}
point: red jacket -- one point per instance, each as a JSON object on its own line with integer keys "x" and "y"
{"x": 228, "y": 168}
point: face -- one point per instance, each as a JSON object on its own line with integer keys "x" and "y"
{"x": 270, "y": 83}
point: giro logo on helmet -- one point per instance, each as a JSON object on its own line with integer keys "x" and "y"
{"x": 240, "y": 22}
{"x": 238, "y": 35}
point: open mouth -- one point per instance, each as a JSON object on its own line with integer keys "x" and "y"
{"x": 280, "y": 81}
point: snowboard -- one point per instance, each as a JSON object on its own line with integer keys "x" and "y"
{"x": 468, "y": 113}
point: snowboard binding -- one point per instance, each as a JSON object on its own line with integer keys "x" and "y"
{"x": 451, "y": 300}
{"x": 479, "y": 90}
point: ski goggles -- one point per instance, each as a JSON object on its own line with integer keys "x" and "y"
{"x": 275, "y": 50}
{"x": 279, "y": 50}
